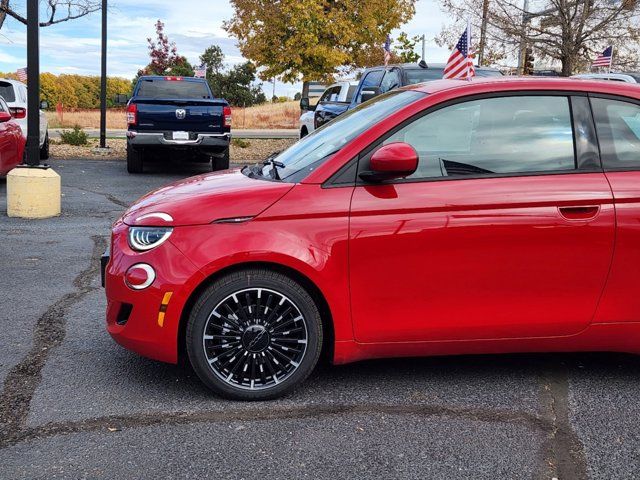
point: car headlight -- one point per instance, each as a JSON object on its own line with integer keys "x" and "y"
{"x": 146, "y": 238}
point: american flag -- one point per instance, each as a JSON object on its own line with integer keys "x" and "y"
{"x": 604, "y": 59}
{"x": 460, "y": 63}
{"x": 22, "y": 74}
{"x": 201, "y": 71}
{"x": 387, "y": 50}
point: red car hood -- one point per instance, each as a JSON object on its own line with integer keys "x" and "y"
{"x": 203, "y": 199}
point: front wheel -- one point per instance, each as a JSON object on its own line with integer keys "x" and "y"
{"x": 254, "y": 335}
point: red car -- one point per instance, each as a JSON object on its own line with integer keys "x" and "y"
{"x": 11, "y": 141}
{"x": 453, "y": 217}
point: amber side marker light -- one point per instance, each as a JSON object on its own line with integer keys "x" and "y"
{"x": 163, "y": 308}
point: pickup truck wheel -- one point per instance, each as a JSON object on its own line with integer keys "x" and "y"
{"x": 135, "y": 160}
{"x": 222, "y": 162}
{"x": 44, "y": 149}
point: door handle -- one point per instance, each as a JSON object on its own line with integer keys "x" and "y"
{"x": 580, "y": 213}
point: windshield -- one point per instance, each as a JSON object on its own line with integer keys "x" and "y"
{"x": 419, "y": 75}
{"x": 296, "y": 162}
{"x": 180, "y": 89}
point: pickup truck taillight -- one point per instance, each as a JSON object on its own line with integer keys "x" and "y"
{"x": 18, "y": 112}
{"x": 132, "y": 114}
{"x": 227, "y": 116}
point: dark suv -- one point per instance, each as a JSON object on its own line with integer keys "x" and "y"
{"x": 377, "y": 80}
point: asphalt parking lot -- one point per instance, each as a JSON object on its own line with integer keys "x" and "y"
{"x": 76, "y": 405}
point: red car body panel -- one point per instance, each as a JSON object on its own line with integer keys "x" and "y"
{"x": 451, "y": 246}
{"x": 220, "y": 196}
{"x": 12, "y": 145}
{"x": 491, "y": 265}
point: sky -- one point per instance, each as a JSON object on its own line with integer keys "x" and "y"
{"x": 74, "y": 47}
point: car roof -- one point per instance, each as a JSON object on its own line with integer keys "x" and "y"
{"x": 415, "y": 66}
{"x": 162, "y": 77}
{"x": 11, "y": 81}
{"x": 529, "y": 83}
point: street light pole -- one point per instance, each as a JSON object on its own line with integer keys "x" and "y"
{"x": 33, "y": 84}
{"x": 103, "y": 79}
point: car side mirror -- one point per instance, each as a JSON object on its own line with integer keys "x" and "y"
{"x": 44, "y": 105}
{"x": 369, "y": 93}
{"x": 305, "y": 104}
{"x": 395, "y": 160}
{"x": 5, "y": 117}
{"x": 121, "y": 99}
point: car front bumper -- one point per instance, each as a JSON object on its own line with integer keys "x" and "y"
{"x": 134, "y": 317}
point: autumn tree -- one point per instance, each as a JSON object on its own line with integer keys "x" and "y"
{"x": 164, "y": 56}
{"x": 312, "y": 39}
{"x": 406, "y": 48}
{"x": 237, "y": 85}
{"x": 568, "y": 32}
{"x": 57, "y": 11}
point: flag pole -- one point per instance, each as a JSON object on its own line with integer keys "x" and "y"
{"x": 469, "y": 59}
{"x": 611, "y": 60}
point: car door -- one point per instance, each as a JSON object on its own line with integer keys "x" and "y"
{"x": 330, "y": 107}
{"x": 372, "y": 78}
{"x": 505, "y": 230}
{"x": 8, "y": 143}
{"x": 618, "y": 126}
{"x": 321, "y": 108}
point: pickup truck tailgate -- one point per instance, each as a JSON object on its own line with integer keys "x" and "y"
{"x": 191, "y": 116}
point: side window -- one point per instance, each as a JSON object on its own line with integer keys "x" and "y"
{"x": 372, "y": 79}
{"x": 335, "y": 93}
{"x": 506, "y": 135}
{"x": 618, "y": 126}
{"x": 325, "y": 96}
{"x": 390, "y": 80}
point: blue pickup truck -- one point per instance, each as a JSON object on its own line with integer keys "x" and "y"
{"x": 179, "y": 115}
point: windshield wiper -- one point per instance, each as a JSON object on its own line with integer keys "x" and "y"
{"x": 275, "y": 165}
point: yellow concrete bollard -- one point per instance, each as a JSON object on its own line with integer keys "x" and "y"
{"x": 33, "y": 193}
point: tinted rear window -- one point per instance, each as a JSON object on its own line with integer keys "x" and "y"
{"x": 161, "y": 88}
{"x": 6, "y": 92}
{"x": 419, "y": 75}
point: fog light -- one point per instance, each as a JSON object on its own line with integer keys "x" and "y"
{"x": 140, "y": 276}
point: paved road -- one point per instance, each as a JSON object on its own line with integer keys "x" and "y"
{"x": 75, "y": 405}
{"x": 237, "y": 133}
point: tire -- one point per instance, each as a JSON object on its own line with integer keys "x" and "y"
{"x": 221, "y": 162}
{"x": 135, "y": 160}
{"x": 303, "y": 132}
{"x": 44, "y": 149}
{"x": 272, "y": 325}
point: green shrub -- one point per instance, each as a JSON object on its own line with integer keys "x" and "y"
{"x": 240, "y": 143}
{"x": 77, "y": 136}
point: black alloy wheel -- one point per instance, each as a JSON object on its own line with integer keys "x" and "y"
{"x": 254, "y": 335}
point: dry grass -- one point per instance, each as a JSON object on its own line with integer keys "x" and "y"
{"x": 269, "y": 115}
{"x": 87, "y": 119}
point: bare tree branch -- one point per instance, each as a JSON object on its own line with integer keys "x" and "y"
{"x": 72, "y": 9}
{"x": 569, "y": 32}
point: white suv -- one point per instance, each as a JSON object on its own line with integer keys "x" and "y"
{"x": 15, "y": 94}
